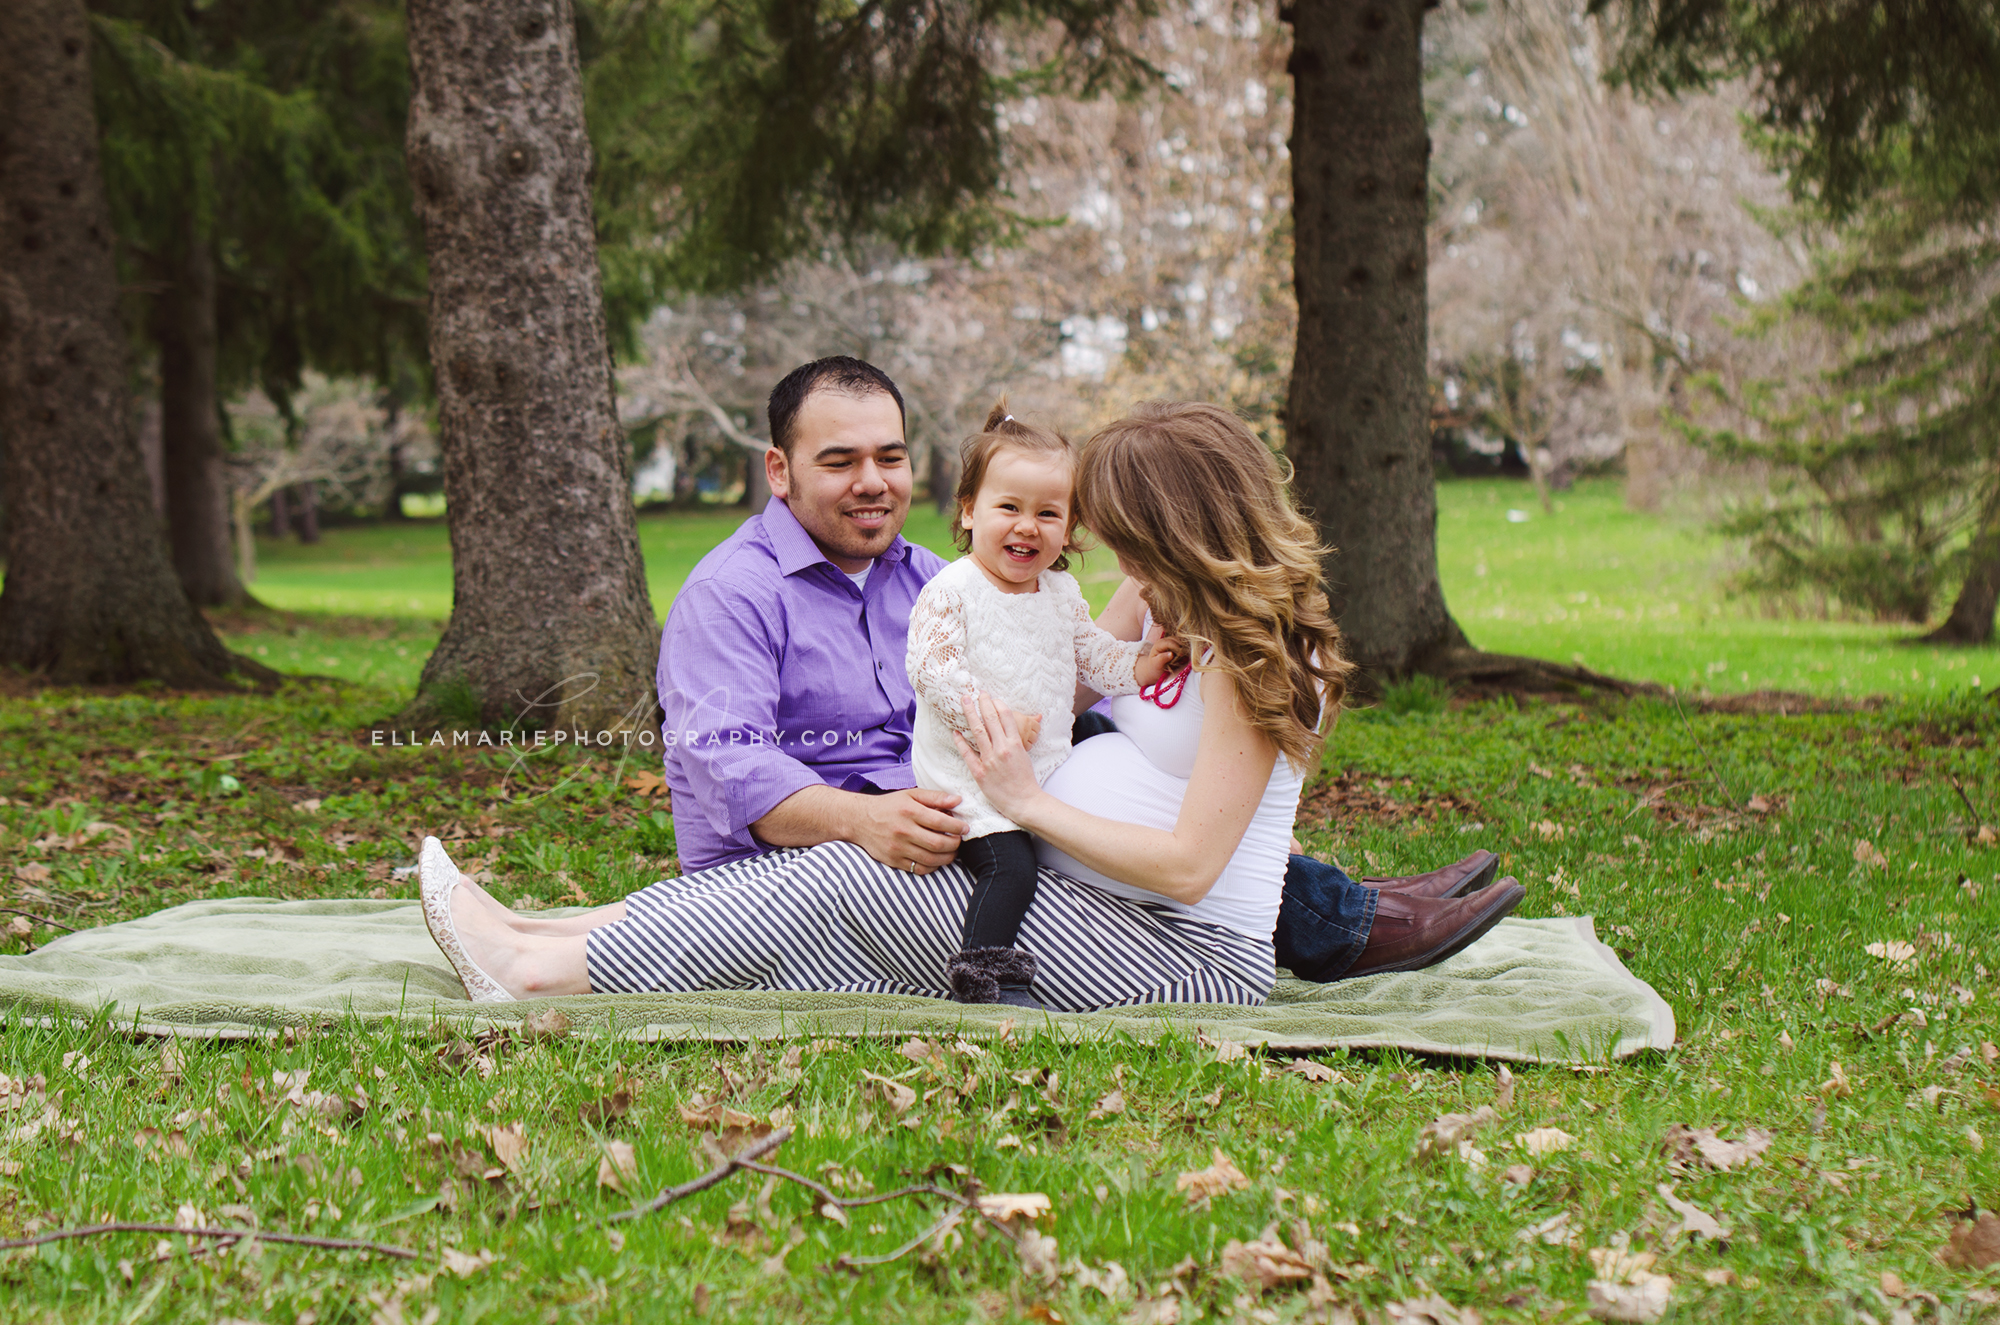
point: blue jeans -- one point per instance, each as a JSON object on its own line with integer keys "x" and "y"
{"x": 1324, "y": 919}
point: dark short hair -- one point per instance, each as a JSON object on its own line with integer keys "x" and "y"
{"x": 837, "y": 372}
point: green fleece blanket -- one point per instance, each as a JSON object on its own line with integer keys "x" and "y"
{"x": 1531, "y": 990}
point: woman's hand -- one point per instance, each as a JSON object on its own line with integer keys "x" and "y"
{"x": 996, "y": 758}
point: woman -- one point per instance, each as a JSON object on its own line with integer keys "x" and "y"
{"x": 1163, "y": 845}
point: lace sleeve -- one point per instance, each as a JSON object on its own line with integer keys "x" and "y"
{"x": 937, "y": 662}
{"x": 1103, "y": 661}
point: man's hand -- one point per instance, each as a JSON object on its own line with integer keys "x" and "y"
{"x": 1031, "y": 727}
{"x": 909, "y": 830}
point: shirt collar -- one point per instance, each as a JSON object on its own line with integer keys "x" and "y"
{"x": 796, "y": 549}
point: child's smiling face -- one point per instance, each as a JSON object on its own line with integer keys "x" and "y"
{"x": 1019, "y": 522}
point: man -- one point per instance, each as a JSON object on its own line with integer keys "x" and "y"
{"x": 787, "y": 707}
{"x": 788, "y": 710}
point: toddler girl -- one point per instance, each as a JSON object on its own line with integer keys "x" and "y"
{"x": 1007, "y": 620}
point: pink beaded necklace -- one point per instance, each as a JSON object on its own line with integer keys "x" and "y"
{"x": 1166, "y": 692}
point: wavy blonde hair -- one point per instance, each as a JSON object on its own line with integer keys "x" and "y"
{"x": 1195, "y": 506}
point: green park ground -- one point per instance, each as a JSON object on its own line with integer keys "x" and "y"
{"x": 1812, "y": 892}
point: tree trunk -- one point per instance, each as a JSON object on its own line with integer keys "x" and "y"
{"x": 198, "y": 527}
{"x": 756, "y": 483}
{"x": 550, "y": 623}
{"x": 281, "y": 514}
{"x": 1357, "y": 419}
{"x": 1971, "y": 619}
{"x": 91, "y": 595}
{"x": 307, "y": 521}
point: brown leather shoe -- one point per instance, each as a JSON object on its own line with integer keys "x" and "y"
{"x": 1411, "y": 933}
{"x": 1455, "y": 880}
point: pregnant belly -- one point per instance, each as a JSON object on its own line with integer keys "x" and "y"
{"x": 1107, "y": 776}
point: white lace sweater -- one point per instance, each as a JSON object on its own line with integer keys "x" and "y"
{"x": 1028, "y": 649}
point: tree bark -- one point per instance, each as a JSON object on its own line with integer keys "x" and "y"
{"x": 91, "y": 595}
{"x": 307, "y": 520}
{"x": 1971, "y": 619}
{"x": 198, "y": 525}
{"x": 1357, "y": 421}
{"x": 550, "y": 624}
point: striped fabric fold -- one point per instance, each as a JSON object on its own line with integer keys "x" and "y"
{"x": 831, "y": 918}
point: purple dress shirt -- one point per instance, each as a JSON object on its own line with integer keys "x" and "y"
{"x": 776, "y": 673}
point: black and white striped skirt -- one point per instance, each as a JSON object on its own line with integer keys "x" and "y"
{"x": 834, "y": 919}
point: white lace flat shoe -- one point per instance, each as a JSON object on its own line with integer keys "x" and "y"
{"x": 437, "y": 877}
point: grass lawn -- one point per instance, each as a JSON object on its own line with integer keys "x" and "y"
{"x": 1642, "y": 596}
{"x": 1873, "y": 1076}
{"x": 1633, "y": 595}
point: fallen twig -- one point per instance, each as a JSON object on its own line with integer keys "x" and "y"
{"x": 262, "y": 1235}
{"x": 746, "y": 1159}
{"x": 850, "y": 1202}
{"x": 1728, "y": 796}
{"x": 741, "y": 1159}
{"x": 846, "y": 1261}
{"x": 1955, "y": 786}
{"x": 52, "y": 924}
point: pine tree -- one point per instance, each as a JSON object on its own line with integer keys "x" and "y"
{"x": 1886, "y": 113}
{"x": 1886, "y": 469}
{"x": 253, "y": 160}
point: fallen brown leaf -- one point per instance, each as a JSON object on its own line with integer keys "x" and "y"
{"x": 1003, "y": 1206}
{"x": 165, "y": 1143}
{"x": 1544, "y": 1141}
{"x": 601, "y": 1113}
{"x": 465, "y": 1266}
{"x": 1442, "y": 1134}
{"x": 509, "y": 1144}
{"x": 895, "y": 1094}
{"x": 549, "y": 1024}
{"x": 1220, "y": 1176}
{"x": 1038, "y": 1254}
{"x": 1685, "y": 1145}
{"x": 1626, "y": 1288}
{"x": 648, "y": 784}
{"x": 1695, "y": 1222}
{"x": 1311, "y": 1070}
{"x": 1110, "y": 1106}
{"x": 1431, "y": 1310}
{"x": 1974, "y": 1243}
{"x": 1266, "y": 1262}
{"x": 618, "y": 1166}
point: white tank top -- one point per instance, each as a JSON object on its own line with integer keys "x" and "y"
{"x": 1139, "y": 774}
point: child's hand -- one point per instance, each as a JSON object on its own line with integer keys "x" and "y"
{"x": 1159, "y": 659}
{"x": 1031, "y": 727}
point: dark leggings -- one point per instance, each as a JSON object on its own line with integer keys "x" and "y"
{"x": 1003, "y": 868}
{"x": 1003, "y": 887}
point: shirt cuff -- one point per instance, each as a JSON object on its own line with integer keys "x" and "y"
{"x": 763, "y": 790}
{"x": 901, "y": 777}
